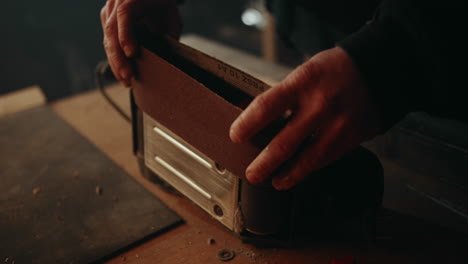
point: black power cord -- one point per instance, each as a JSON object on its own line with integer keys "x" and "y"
{"x": 103, "y": 71}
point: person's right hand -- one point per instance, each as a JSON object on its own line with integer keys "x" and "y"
{"x": 118, "y": 19}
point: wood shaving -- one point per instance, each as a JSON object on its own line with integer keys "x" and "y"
{"x": 36, "y": 190}
{"x": 98, "y": 190}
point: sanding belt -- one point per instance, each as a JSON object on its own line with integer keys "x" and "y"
{"x": 193, "y": 112}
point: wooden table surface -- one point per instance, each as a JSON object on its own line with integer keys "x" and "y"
{"x": 94, "y": 118}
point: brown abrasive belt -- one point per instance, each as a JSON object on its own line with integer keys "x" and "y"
{"x": 193, "y": 112}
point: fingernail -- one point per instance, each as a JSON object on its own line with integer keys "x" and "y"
{"x": 128, "y": 51}
{"x": 125, "y": 74}
{"x": 251, "y": 177}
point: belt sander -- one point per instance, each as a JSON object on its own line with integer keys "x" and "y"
{"x": 183, "y": 103}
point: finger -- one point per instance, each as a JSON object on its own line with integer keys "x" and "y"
{"x": 263, "y": 109}
{"x": 282, "y": 147}
{"x": 105, "y": 13}
{"x": 114, "y": 69}
{"x": 104, "y": 18}
{"x": 126, "y": 22}
{"x": 110, "y": 8}
{"x": 119, "y": 63}
{"x": 319, "y": 152}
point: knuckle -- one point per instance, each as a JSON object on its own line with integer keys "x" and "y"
{"x": 109, "y": 47}
{"x": 103, "y": 13}
{"x": 105, "y": 43}
{"x": 109, "y": 26}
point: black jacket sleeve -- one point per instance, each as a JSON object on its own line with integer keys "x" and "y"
{"x": 412, "y": 56}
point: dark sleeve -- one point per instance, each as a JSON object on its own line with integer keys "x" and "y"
{"x": 409, "y": 55}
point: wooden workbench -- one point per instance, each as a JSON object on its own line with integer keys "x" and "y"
{"x": 94, "y": 118}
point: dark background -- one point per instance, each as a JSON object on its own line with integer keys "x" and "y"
{"x": 57, "y": 43}
{"x": 52, "y": 43}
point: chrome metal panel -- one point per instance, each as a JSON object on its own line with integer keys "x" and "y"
{"x": 191, "y": 172}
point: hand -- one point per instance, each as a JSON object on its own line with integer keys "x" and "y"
{"x": 332, "y": 113}
{"x": 118, "y": 18}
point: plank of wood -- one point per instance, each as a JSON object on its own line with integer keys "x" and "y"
{"x": 21, "y": 100}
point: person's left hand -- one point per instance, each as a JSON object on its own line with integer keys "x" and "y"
{"x": 332, "y": 113}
